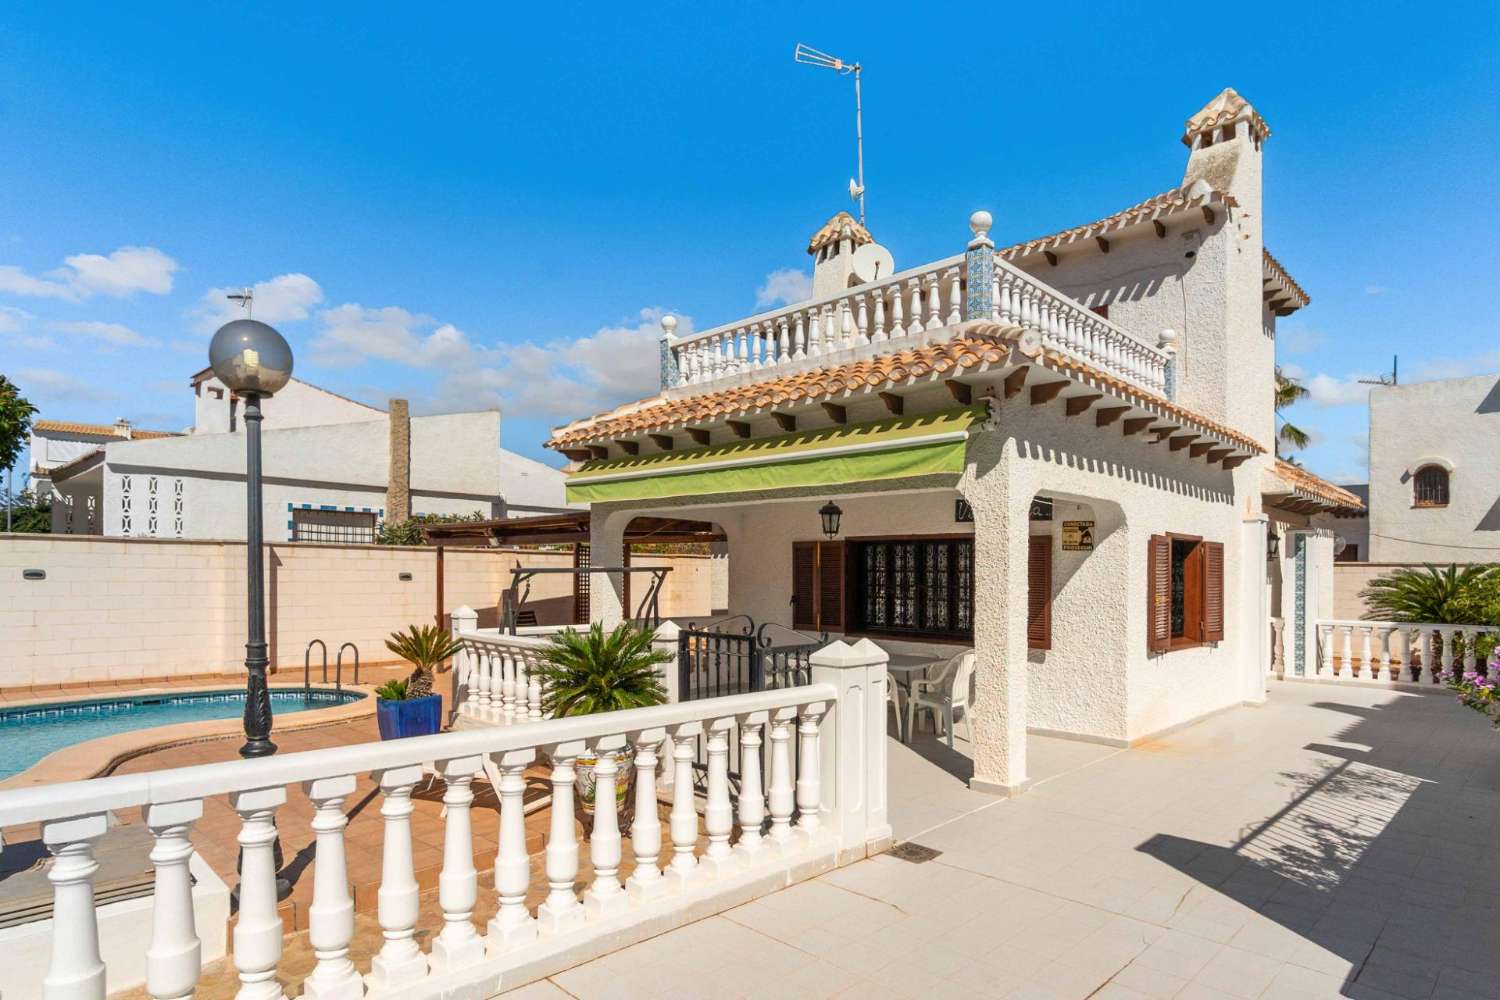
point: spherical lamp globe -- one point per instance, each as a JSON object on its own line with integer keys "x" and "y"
{"x": 251, "y": 358}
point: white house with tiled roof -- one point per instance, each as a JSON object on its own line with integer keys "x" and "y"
{"x": 1057, "y": 452}
{"x": 334, "y": 469}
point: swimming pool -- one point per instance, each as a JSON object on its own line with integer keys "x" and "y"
{"x": 30, "y": 733}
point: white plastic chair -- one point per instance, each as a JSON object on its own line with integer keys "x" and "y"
{"x": 947, "y": 693}
{"x": 893, "y": 698}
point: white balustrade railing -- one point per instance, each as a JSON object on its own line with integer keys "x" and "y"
{"x": 495, "y": 676}
{"x": 826, "y": 807}
{"x": 1410, "y": 652}
{"x": 903, "y": 307}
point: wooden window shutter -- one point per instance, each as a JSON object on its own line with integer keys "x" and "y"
{"x": 1158, "y": 594}
{"x": 1213, "y": 592}
{"x": 1039, "y": 592}
{"x": 831, "y": 586}
{"x": 804, "y": 585}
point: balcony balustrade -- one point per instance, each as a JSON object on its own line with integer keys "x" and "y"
{"x": 1406, "y": 652}
{"x": 899, "y": 312}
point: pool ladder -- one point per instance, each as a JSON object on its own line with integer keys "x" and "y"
{"x": 338, "y": 668}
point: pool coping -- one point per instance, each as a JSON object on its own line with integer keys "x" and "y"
{"x": 97, "y": 757}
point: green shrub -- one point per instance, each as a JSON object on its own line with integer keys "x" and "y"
{"x": 425, "y": 647}
{"x": 587, "y": 672}
{"x": 409, "y": 531}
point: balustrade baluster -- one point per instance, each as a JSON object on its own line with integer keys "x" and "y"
{"x": 330, "y": 919}
{"x": 718, "y": 813}
{"x": 1383, "y": 668}
{"x": 174, "y": 957}
{"x": 479, "y": 680}
{"x": 605, "y": 896}
{"x": 74, "y": 969}
{"x": 646, "y": 881}
{"x": 995, "y": 297}
{"x": 780, "y": 799}
{"x": 512, "y": 923}
{"x": 934, "y": 302}
{"x": 684, "y": 818}
{"x": 458, "y": 944}
{"x": 1346, "y": 669}
{"x": 1446, "y": 634}
{"x": 1366, "y": 634}
{"x": 561, "y": 910}
{"x": 1327, "y": 635}
{"x": 914, "y": 318}
{"x": 752, "y": 804}
{"x": 1424, "y": 639}
{"x": 257, "y": 932}
{"x": 861, "y": 321}
{"x": 1470, "y": 660}
{"x": 847, "y": 337}
{"x": 510, "y": 663}
{"x": 399, "y": 963}
{"x": 799, "y": 337}
{"x": 534, "y": 692}
{"x": 878, "y": 334}
{"x": 783, "y": 341}
{"x": 898, "y": 315}
{"x": 809, "y": 775}
{"x": 955, "y": 298}
{"x": 1006, "y": 300}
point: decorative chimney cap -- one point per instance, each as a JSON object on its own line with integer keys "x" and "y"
{"x": 669, "y": 324}
{"x": 841, "y": 226}
{"x": 1225, "y": 109}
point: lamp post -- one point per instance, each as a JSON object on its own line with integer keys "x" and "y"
{"x": 253, "y": 361}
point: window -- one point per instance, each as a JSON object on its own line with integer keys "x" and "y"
{"x": 1430, "y": 487}
{"x": 921, "y": 588}
{"x": 1184, "y": 592}
{"x": 340, "y": 527}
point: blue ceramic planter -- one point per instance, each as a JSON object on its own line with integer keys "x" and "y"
{"x": 413, "y": 717}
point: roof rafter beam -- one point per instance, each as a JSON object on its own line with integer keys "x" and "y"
{"x": 893, "y": 402}
{"x": 698, "y": 434}
{"x": 1135, "y": 425}
{"x": 662, "y": 441}
{"x": 1047, "y": 392}
{"x": 785, "y": 421}
{"x": 1075, "y": 405}
{"x": 1015, "y": 381}
{"x": 741, "y": 428}
{"x": 1106, "y": 415}
{"x": 838, "y": 414}
{"x": 962, "y": 393}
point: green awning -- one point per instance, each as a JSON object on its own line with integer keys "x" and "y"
{"x": 900, "y": 447}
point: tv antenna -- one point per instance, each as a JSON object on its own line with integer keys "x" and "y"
{"x": 809, "y": 56}
{"x": 245, "y": 297}
{"x": 1383, "y": 379}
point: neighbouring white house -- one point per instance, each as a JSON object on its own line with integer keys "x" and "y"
{"x": 334, "y": 469}
{"x": 1057, "y": 452}
{"x": 1434, "y": 490}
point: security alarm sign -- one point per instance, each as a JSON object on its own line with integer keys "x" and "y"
{"x": 1078, "y": 536}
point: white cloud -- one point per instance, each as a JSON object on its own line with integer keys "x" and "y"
{"x": 13, "y": 319}
{"x": 283, "y": 299}
{"x": 1325, "y": 390}
{"x": 565, "y": 379}
{"x": 1300, "y": 340}
{"x": 1483, "y": 363}
{"x": 15, "y": 325}
{"x": 120, "y": 274}
{"x": 787, "y": 285}
{"x": 1293, "y": 371}
{"x": 49, "y": 383}
{"x": 352, "y": 335}
{"x": 1376, "y": 289}
{"x": 110, "y": 335}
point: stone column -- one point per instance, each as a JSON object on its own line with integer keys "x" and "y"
{"x": 851, "y": 748}
{"x": 398, "y": 485}
{"x": 607, "y": 548}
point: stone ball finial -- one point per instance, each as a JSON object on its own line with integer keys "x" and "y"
{"x": 980, "y": 223}
{"x": 1168, "y": 339}
{"x": 668, "y": 324}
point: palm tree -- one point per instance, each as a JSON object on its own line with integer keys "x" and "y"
{"x": 425, "y": 647}
{"x": 587, "y": 672}
{"x": 1289, "y": 391}
{"x": 1446, "y": 596}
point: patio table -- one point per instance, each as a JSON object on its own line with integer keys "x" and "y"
{"x": 905, "y": 668}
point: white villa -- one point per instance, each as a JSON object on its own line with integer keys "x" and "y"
{"x": 334, "y": 468}
{"x": 1057, "y": 452}
{"x": 1434, "y": 474}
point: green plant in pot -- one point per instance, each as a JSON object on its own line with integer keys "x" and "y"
{"x": 407, "y": 707}
{"x": 584, "y": 673}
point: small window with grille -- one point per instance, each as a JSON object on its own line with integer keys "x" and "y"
{"x": 1430, "y": 487}
{"x": 337, "y": 527}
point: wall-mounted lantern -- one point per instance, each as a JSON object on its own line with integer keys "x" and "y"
{"x": 1273, "y": 543}
{"x": 831, "y": 513}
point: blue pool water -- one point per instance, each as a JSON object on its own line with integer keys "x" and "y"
{"x": 31, "y": 733}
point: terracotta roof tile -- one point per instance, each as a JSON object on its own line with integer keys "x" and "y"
{"x": 842, "y": 224}
{"x": 980, "y": 343}
{"x": 1228, "y": 106}
{"x": 98, "y": 430}
{"x": 1273, "y": 272}
{"x": 1195, "y": 195}
{"x": 1304, "y": 482}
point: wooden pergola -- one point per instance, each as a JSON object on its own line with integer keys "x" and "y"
{"x": 565, "y": 529}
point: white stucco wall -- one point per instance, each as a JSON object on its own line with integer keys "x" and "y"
{"x": 456, "y": 469}
{"x": 298, "y": 404}
{"x": 1456, "y": 421}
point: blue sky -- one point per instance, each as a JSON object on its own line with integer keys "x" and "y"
{"x": 491, "y": 205}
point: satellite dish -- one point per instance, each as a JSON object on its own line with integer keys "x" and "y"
{"x": 873, "y": 262}
{"x": 855, "y": 189}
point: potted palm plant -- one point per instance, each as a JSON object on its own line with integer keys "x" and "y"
{"x": 407, "y": 707}
{"x": 584, "y": 673}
